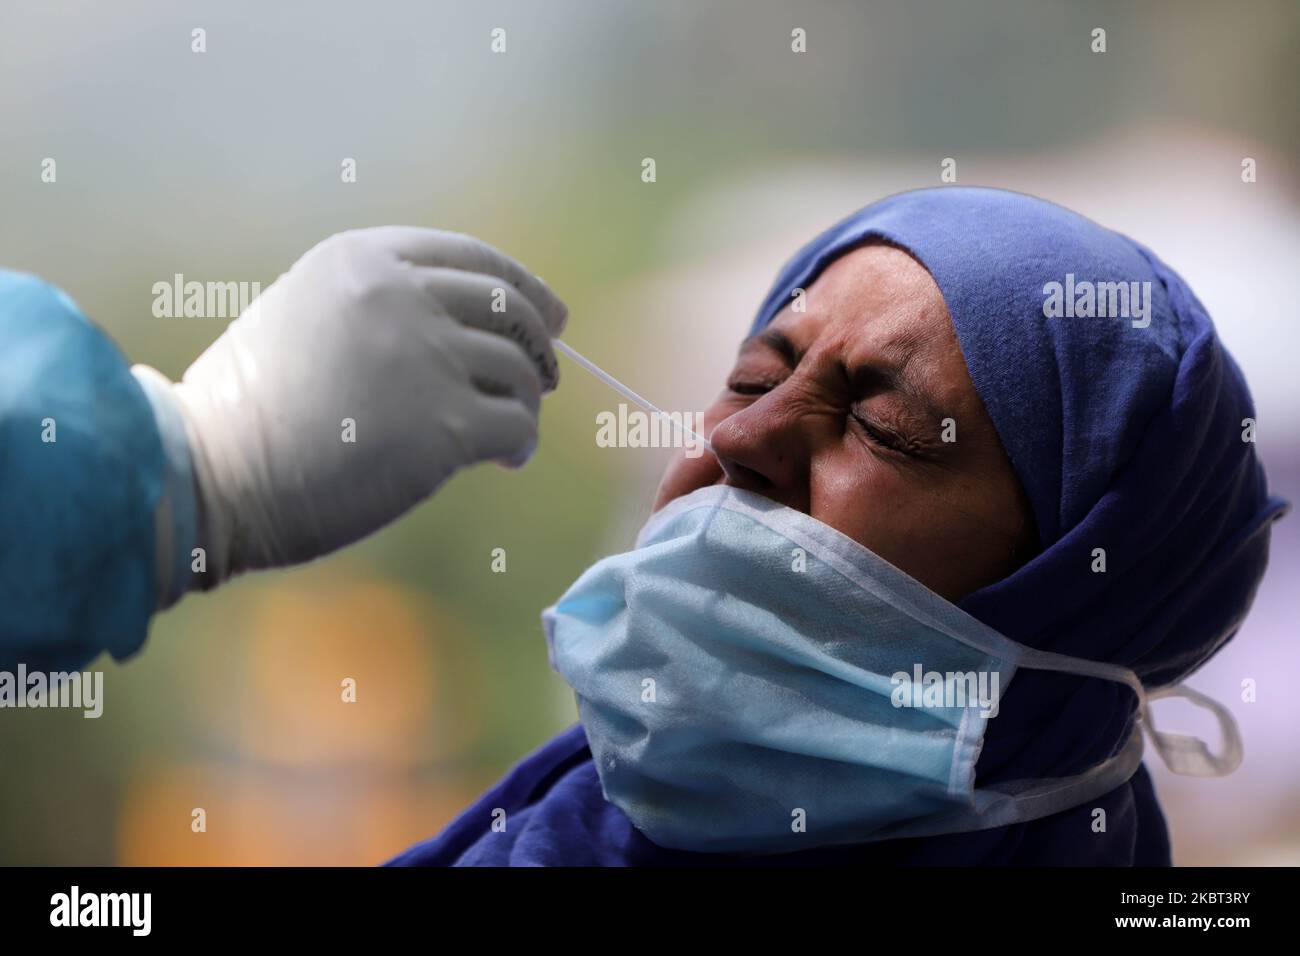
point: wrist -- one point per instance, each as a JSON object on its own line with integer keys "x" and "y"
{"x": 178, "y": 514}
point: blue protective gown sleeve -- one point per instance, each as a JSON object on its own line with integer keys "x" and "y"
{"x": 84, "y": 475}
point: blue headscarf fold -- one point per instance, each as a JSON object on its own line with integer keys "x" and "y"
{"x": 1126, "y": 432}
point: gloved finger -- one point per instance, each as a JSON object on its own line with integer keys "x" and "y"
{"x": 498, "y": 367}
{"x": 504, "y": 430}
{"x": 481, "y": 301}
{"x": 455, "y": 250}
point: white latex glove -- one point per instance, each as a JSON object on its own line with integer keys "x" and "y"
{"x": 393, "y": 329}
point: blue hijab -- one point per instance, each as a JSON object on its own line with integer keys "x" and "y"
{"x": 1123, "y": 416}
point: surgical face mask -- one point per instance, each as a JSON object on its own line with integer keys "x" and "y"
{"x": 750, "y": 680}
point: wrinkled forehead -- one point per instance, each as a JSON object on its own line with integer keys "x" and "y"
{"x": 876, "y": 300}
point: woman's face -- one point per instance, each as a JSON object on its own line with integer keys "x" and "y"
{"x": 842, "y": 411}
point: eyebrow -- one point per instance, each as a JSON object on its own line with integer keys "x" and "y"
{"x": 894, "y": 379}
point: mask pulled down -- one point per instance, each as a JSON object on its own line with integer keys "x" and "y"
{"x": 746, "y": 678}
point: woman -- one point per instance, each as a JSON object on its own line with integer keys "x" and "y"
{"x": 971, "y": 434}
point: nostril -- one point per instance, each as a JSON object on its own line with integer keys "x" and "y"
{"x": 742, "y": 476}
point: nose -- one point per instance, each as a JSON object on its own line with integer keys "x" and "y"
{"x": 764, "y": 448}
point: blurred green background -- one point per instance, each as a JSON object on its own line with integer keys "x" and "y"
{"x": 225, "y": 166}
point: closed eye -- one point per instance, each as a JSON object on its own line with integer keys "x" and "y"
{"x": 883, "y": 436}
{"x": 750, "y": 386}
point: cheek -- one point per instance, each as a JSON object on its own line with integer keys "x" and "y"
{"x": 874, "y": 502}
{"x": 921, "y": 530}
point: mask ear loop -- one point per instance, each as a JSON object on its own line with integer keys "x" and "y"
{"x": 1191, "y": 756}
{"x": 1182, "y": 754}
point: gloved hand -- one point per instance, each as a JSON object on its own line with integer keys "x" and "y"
{"x": 356, "y": 384}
